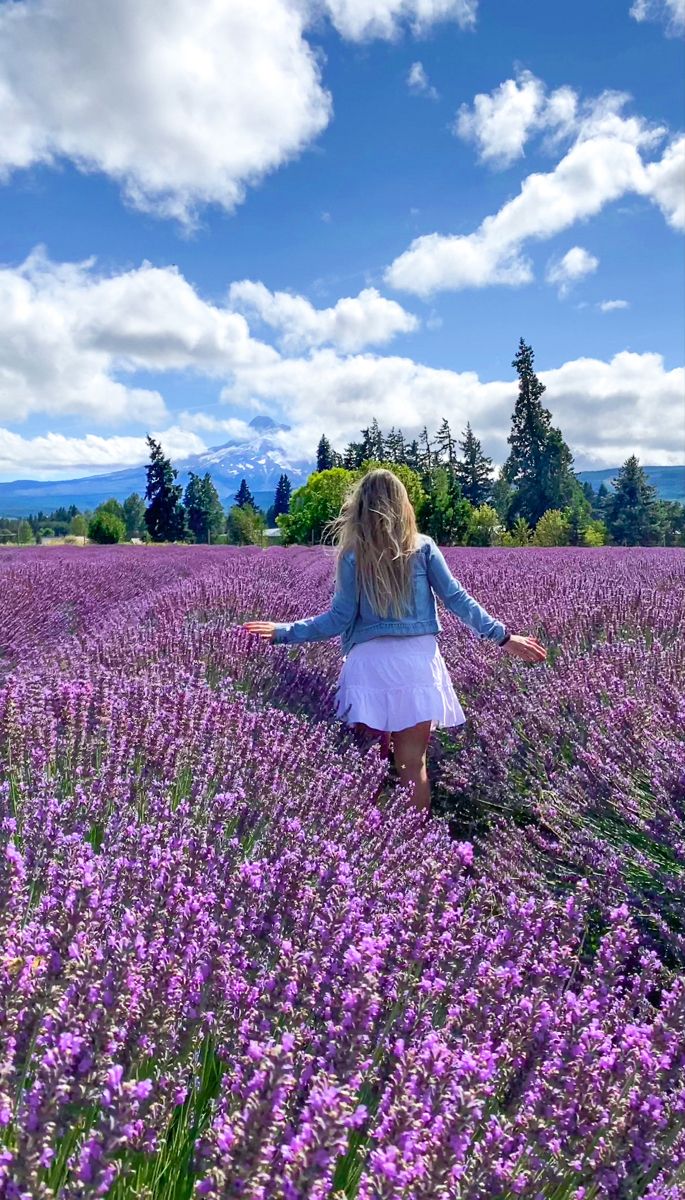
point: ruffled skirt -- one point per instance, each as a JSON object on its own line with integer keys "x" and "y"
{"x": 392, "y": 683}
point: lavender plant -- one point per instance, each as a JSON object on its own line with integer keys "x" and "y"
{"x": 233, "y": 963}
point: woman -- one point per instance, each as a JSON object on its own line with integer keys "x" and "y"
{"x": 394, "y": 681}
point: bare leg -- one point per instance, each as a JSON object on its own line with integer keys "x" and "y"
{"x": 409, "y": 750}
{"x": 367, "y": 736}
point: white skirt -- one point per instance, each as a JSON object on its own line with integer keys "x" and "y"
{"x": 392, "y": 683}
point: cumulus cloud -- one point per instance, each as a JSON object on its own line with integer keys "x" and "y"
{"x": 419, "y": 83}
{"x": 49, "y": 453}
{"x": 604, "y": 163}
{"x": 360, "y": 20}
{"x": 670, "y": 12}
{"x": 67, "y": 331}
{"x": 353, "y": 323}
{"x": 181, "y": 105}
{"x": 612, "y": 305}
{"x": 605, "y": 409}
{"x": 575, "y": 265}
{"x": 501, "y": 122}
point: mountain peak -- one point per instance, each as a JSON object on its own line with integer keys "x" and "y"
{"x": 262, "y": 424}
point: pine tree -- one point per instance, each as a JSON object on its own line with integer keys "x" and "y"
{"x": 412, "y": 456}
{"x": 244, "y": 496}
{"x": 372, "y": 443}
{"x": 539, "y": 465}
{"x": 474, "y": 469}
{"x": 354, "y": 456}
{"x": 632, "y": 515}
{"x": 394, "y": 449}
{"x": 324, "y": 454}
{"x": 426, "y": 455}
{"x": 164, "y": 516}
{"x": 446, "y": 445}
{"x": 283, "y": 492}
{"x": 447, "y": 514}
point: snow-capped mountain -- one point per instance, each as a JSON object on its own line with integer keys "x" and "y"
{"x": 258, "y": 459}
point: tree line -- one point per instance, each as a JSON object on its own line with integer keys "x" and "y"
{"x": 168, "y": 513}
{"x": 535, "y": 498}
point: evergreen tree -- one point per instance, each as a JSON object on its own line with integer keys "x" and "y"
{"x": 426, "y": 455}
{"x": 282, "y": 498}
{"x": 412, "y": 456}
{"x": 245, "y": 526}
{"x": 164, "y": 516}
{"x": 447, "y": 515}
{"x": 134, "y": 514}
{"x": 446, "y": 445}
{"x": 244, "y": 496}
{"x": 502, "y": 498}
{"x": 539, "y": 465}
{"x": 394, "y": 449}
{"x": 372, "y": 443}
{"x": 632, "y": 515}
{"x": 324, "y": 454}
{"x": 474, "y": 469}
{"x": 204, "y": 512}
{"x": 353, "y": 457}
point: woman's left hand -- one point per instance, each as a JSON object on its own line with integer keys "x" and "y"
{"x": 263, "y": 629}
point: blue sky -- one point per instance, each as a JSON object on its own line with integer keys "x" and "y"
{"x": 148, "y": 167}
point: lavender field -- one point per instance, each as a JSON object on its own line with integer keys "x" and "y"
{"x": 232, "y": 964}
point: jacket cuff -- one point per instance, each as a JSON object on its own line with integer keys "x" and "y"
{"x": 281, "y": 634}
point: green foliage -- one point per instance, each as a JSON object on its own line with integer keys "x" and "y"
{"x": 245, "y": 526}
{"x": 106, "y": 528}
{"x": 483, "y": 526}
{"x": 282, "y": 498}
{"x": 164, "y": 516}
{"x": 520, "y": 534}
{"x": 539, "y": 466}
{"x": 502, "y": 498}
{"x": 134, "y": 515}
{"x": 314, "y": 505}
{"x": 114, "y": 507}
{"x": 78, "y": 526}
{"x": 324, "y": 458}
{"x": 446, "y": 514}
{"x": 631, "y": 512}
{"x": 671, "y": 518}
{"x": 552, "y": 529}
{"x": 473, "y": 470}
{"x": 204, "y": 513}
{"x": 595, "y": 534}
{"x": 25, "y": 535}
{"x": 244, "y": 497}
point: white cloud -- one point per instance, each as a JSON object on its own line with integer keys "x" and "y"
{"x": 612, "y": 305}
{"x": 671, "y": 12}
{"x": 419, "y": 83}
{"x": 604, "y": 409}
{"x": 501, "y": 122}
{"x": 181, "y": 104}
{"x": 665, "y": 183}
{"x": 603, "y": 164}
{"x": 575, "y": 265}
{"x": 353, "y": 323}
{"x": 40, "y": 457}
{"x": 360, "y": 20}
{"x": 66, "y": 332}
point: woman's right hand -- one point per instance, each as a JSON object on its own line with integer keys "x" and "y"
{"x": 528, "y": 649}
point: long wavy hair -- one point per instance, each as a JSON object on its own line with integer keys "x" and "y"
{"x": 377, "y": 522}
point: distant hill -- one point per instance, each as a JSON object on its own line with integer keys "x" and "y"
{"x": 668, "y": 481}
{"x": 258, "y": 459}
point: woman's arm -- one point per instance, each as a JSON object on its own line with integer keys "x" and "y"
{"x": 326, "y": 625}
{"x": 458, "y": 600}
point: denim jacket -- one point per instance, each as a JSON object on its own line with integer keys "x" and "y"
{"x": 352, "y": 617}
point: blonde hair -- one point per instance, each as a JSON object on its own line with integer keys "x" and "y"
{"x": 377, "y": 522}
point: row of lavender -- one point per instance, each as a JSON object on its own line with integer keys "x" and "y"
{"x": 232, "y": 963}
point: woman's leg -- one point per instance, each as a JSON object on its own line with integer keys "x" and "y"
{"x": 409, "y": 751}
{"x": 367, "y": 736}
